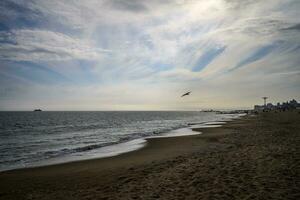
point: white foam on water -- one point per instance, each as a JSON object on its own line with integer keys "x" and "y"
{"x": 215, "y": 123}
{"x": 103, "y": 152}
{"x": 177, "y": 133}
{"x": 132, "y": 145}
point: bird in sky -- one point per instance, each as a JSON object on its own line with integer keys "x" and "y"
{"x": 188, "y": 93}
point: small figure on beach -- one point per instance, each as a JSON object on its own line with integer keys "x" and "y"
{"x": 188, "y": 93}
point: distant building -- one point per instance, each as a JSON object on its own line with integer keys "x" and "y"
{"x": 258, "y": 108}
{"x": 289, "y": 105}
{"x": 294, "y": 103}
{"x": 270, "y": 106}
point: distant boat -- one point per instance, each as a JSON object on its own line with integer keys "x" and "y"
{"x": 37, "y": 110}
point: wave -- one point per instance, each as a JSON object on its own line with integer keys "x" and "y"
{"x": 88, "y": 134}
{"x": 128, "y": 137}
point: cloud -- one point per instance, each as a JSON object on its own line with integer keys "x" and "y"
{"x": 16, "y": 14}
{"x": 255, "y": 56}
{"x": 129, "y": 5}
{"x": 207, "y": 58}
{"x": 220, "y": 49}
{"x": 36, "y": 45}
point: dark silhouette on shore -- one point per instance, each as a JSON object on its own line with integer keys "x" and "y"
{"x": 289, "y": 105}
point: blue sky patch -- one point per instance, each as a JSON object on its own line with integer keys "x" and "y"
{"x": 256, "y": 55}
{"x": 207, "y": 58}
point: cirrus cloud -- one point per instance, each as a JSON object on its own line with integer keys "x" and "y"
{"x": 220, "y": 49}
{"x": 32, "y": 45}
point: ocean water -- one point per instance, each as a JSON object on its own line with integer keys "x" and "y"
{"x": 40, "y": 138}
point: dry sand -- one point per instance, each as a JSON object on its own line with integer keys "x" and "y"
{"x": 250, "y": 158}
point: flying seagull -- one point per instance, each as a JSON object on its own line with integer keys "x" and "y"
{"x": 188, "y": 93}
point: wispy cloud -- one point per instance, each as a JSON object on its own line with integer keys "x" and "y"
{"x": 31, "y": 45}
{"x": 255, "y": 56}
{"x": 156, "y": 46}
{"x": 207, "y": 57}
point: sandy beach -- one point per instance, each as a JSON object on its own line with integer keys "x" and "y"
{"x": 255, "y": 157}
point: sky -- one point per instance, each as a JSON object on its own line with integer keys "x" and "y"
{"x": 144, "y": 54}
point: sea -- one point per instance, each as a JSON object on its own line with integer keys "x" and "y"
{"x": 29, "y": 139}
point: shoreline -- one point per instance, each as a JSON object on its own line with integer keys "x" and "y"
{"x": 252, "y": 157}
{"x": 130, "y": 145}
{"x": 146, "y": 142}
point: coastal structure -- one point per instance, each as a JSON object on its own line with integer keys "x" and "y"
{"x": 288, "y": 105}
{"x": 265, "y": 100}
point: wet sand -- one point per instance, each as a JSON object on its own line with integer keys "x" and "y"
{"x": 250, "y": 158}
